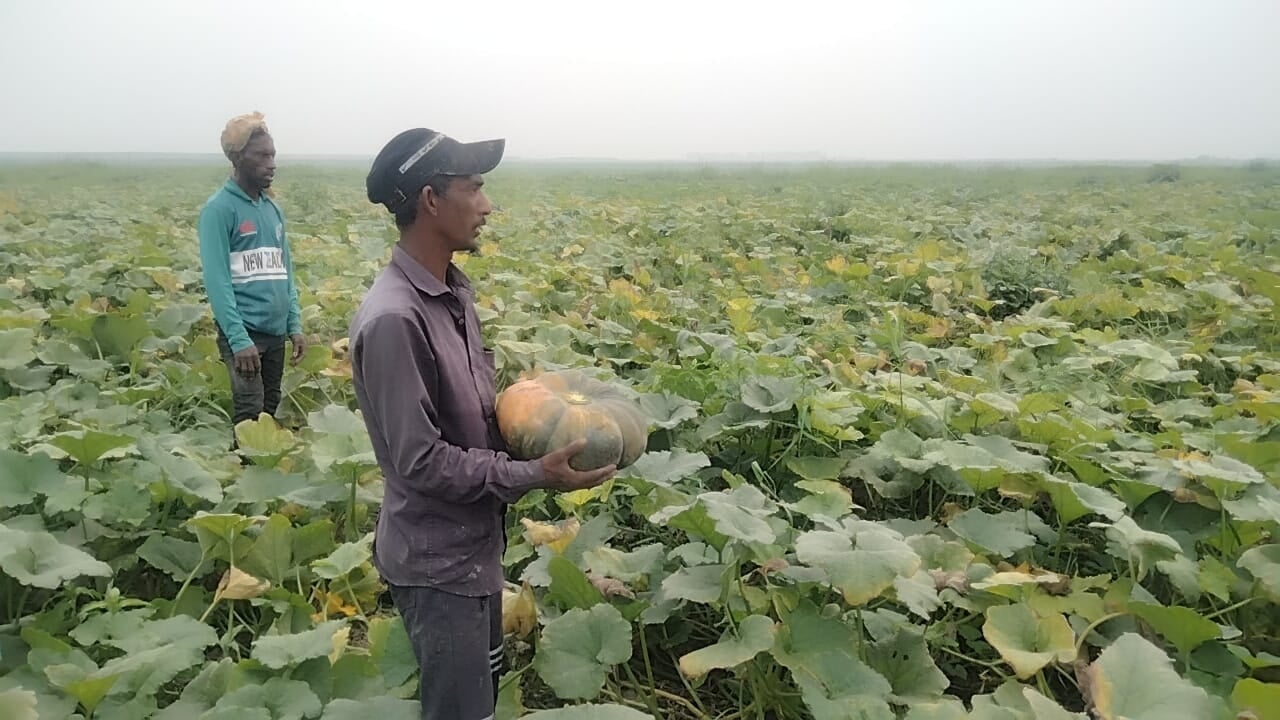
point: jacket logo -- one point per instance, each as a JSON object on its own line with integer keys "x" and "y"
{"x": 248, "y": 228}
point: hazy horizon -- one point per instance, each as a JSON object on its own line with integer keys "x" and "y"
{"x": 925, "y": 82}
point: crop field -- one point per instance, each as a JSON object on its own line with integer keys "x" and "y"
{"x": 926, "y": 444}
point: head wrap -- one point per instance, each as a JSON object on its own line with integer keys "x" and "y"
{"x": 238, "y": 131}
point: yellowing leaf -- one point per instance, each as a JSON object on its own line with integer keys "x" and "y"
{"x": 938, "y": 328}
{"x": 1027, "y": 641}
{"x": 339, "y": 640}
{"x": 556, "y": 536}
{"x": 237, "y": 584}
{"x": 519, "y": 611}
{"x": 756, "y": 634}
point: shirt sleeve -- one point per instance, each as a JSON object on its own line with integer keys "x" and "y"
{"x": 214, "y": 229}
{"x": 389, "y": 357}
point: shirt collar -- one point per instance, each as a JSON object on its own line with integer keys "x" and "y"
{"x": 424, "y": 281}
{"x": 234, "y": 188}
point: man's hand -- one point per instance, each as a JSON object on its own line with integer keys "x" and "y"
{"x": 248, "y": 362}
{"x": 559, "y": 476}
{"x": 299, "y": 347}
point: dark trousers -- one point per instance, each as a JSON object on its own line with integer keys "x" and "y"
{"x": 260, "y": 392}
{"x": 458, "y": 643}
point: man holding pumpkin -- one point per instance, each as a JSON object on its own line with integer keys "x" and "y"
{"x": 425, "y": 385}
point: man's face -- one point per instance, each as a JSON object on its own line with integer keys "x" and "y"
{"x": 257, "y": 164}
{"x": 462, "y": 211}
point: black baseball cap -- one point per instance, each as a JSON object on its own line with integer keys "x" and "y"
{"x": 413, "y": 157}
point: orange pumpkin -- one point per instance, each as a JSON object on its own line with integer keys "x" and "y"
{"x": 539, "y": 414}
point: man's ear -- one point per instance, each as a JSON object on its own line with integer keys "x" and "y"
{"x": 428, "y": 201}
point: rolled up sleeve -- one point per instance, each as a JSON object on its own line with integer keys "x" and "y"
{"x": 392, "y": 356}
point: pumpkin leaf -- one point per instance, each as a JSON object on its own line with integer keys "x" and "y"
{"x": 1026, "y": 641}
{"x": 1133, "y": 680}
{"x": 578, "y": 648}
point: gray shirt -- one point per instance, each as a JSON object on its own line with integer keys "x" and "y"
{"x": 425, "y": 385}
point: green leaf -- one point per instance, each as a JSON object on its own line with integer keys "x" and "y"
{"x": 666, "y": 467}
{"x": 345, "y": 559}
{"x": 382, "y": 708}
{"x": 39, "y": 560}
{"x": 817, "y": 468}
{"x": 183, "y": 473}
{"x": 589, "y": 711}
{"x": 1001, "y": 533}
{"x": 1262, "y": 699}
{"x": 578, "y": 648}
{"x": 131, "y": 632}
{"x": 237, "y": 713}
{"x": 1026, "y": 641}
{"x": 279, "y": 651}
{"x": 89, "y": 689}
{"x": 942, "y": 710}
{"x": 1074, "y": 500}
{"x": 1144, "y": 548}
{"x": 390, "y": 648}
{"x": 24, "y": 477}
{"x": 1263, "y": 562}
{"x": 87, "y": 447}
{"x": 336, "y": 420}
{"x": 264, "y": 438}
{"x": 143, "y": 672}
{"x": 271, "y": 555}
{"x": 265, "y": 485}
{"x": 862, "y": 562}
{"x": 755, "y": 635}
{"x": 174, "y": 556}
{"x": 903, "y": 659}
{"x": 570, "y": 587}
{"x": 1183, "y": 627}
{"x": 1042, "y": 708}
{"x": 834, "y": 413}
{"x": 769, "y": 394}
{"x": 822, "y": 655}
{"x": 220, "y": 534}
{"x": 626, "y": 566}
{"x": 118, "y": 335}
{"x": 899, "y": 443}
{"x": 739, "y": 514}
{"x": 16, "y": 348}
{"x": 826, "y": 499}
{"x": 700, "y": 584}
{"x": 668, "y": 410}
{"x": 283, "y": 699}
{"x": 1134, "y": 680}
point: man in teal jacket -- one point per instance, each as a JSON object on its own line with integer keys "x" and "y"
{"x": 248, "y": 274}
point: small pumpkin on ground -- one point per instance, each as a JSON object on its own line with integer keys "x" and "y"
{"x": 545, "y": 412}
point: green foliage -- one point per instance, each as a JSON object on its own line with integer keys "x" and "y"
{"x": 927, "y": 444}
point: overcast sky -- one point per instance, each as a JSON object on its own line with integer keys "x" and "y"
{"x": 658, "y": 79}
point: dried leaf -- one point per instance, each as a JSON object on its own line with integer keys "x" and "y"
{"x": 556, "y": 536}
{"x": 237, "y": 584}
{"x": 519, "y": 611}
{"x": 611, "y": 587}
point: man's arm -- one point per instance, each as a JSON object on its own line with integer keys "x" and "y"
{"x": 295, "y": 311}
{"x": 388, "y": 357}
{"x": 214, "y": 230}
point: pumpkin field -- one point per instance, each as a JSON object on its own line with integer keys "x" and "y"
{"x": 924, "y": 443}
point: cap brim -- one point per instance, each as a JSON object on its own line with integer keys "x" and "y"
{"x": 475, "y": 158}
